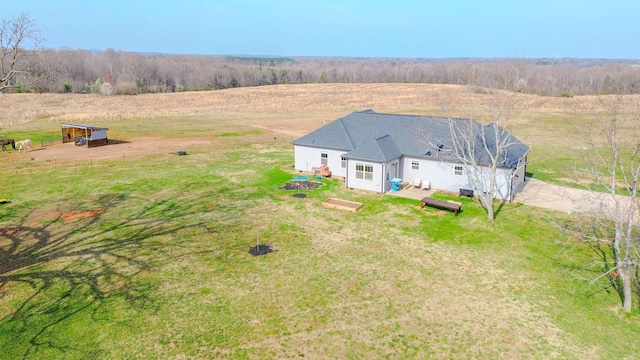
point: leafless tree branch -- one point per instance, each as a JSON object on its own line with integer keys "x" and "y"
{"x": 487, "y": 151}
{"x": 20, "y": 41}
{"x": 611, "y": 172}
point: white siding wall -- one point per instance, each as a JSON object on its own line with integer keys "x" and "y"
{"x": 98, "y": 134}
{"x": 390, "y": 170}
{"x": 409, "y": 174}
{"x": 307, "y": 158}
{"x": 503, "y": 183}
{"x": 373, "y": 185}
{"x": 440, "y": 174}
{"x": 518, "y": 180}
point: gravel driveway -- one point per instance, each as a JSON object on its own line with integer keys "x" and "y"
{"x": 555, "y": 197}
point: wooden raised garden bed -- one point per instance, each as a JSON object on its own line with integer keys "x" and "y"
{"x": 342, "y": 204}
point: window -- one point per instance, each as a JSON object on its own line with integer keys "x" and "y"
{"x": 364, "y": 171}
{"x": 359, "y": 171}
{"x": 457, "y": 170}
{"x": 415, "y": 165}
{"x": 324, "y": 158}
{"x": 343, "y": 162}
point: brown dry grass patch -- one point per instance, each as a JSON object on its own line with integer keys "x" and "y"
{"x": 285, "y": 112}
{"x": 81, "y": 215}
{"x": 277, "y": 99}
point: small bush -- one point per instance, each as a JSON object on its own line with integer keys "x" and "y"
{"x": 106, "y": 89}
{"x": 19, "y": 88}
{"x": 66, "y": 87}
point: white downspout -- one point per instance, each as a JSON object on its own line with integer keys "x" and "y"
{"x": 346, "y": 176}
{"x": 383, "y": 183}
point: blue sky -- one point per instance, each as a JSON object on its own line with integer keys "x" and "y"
{"x": 350, "y": 28}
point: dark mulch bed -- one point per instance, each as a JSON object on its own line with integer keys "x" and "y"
{"x": 260, "y": 250}
{"x": 301, "y": 185}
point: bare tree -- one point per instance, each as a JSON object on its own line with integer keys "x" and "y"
{"x": 493, "y": 159}
{"x": 20, "y": 40}
{"x": 611, "y": 172}
{"x": 160, "y": 72}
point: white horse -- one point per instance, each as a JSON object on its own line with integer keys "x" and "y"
{"x": 24, "y": 144}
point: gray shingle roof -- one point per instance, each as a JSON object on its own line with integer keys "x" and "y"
{"x": 378, "y": 137}
{"x": 380, "y": 150}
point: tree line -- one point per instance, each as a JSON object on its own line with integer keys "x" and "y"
{"x": 83, "y": 71}
{"x": 119, "y": 72}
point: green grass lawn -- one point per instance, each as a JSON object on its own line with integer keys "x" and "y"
{"x": 162, "y": 269}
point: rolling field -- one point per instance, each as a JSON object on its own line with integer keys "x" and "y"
{"x": 131, "y": 251}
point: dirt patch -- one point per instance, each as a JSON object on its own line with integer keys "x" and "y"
{"x": 76, "y": 216}
{"x": 433, "y": 213}
{"x": 260, "y": 250}
{"x": 10, "y": 232}
{"x": 301, "y": 185}
{"x": 63, "y": 153}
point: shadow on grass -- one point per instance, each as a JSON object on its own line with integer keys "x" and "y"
{"x": 117, "y": 142}
{"x": 598, "y": 271}
{"x": 59, "y": 270}
{"x": 505, "y": 206}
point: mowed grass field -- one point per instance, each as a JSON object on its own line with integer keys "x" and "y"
{"x": 146, "y": 255}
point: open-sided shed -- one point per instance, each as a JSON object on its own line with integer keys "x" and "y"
{"x": 84, "y": 135}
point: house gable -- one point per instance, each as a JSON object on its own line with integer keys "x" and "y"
{"x": 379, "y": 150}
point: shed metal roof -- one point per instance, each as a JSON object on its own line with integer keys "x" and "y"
{"x": 82, "y": 126}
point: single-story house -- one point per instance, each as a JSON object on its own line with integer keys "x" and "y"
{"x": 84, "y": 135}
{"x": 371, "y": 149}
